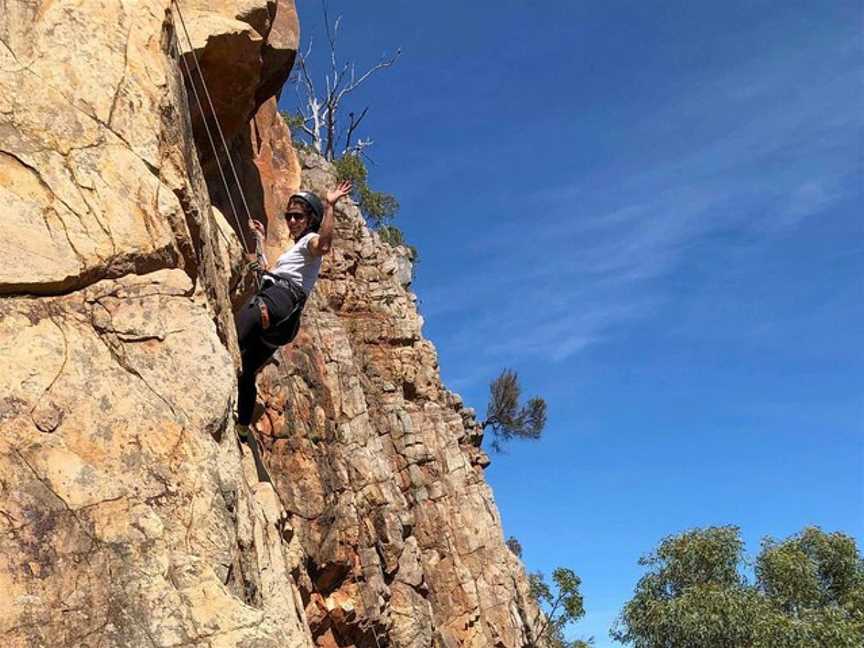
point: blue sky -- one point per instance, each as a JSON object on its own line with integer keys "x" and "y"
{"x": 652, "y": 211}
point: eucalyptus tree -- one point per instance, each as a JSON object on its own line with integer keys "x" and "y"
{"x": 806, "y": 591}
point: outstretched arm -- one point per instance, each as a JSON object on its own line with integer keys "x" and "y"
{"x": 320, "y": 245}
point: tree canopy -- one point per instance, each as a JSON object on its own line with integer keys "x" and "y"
{"x": 504, "y": 415}
{"x": 557, "y": 606}
{"x": 807, "y": 591}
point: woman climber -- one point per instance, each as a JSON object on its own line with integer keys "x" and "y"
{"x": 272, "y": 317}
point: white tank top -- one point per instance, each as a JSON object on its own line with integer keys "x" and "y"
{"x": 299, "y": 264}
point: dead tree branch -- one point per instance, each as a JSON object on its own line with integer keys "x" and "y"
{"x": 321, "y": 114}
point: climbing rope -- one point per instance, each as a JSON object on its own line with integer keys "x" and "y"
{"x": 375, "y": 634}
{"x": 176, "y": 6}
{"x": 260, "y": 466}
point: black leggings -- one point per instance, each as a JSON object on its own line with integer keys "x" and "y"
{"x": 254, "y": 352}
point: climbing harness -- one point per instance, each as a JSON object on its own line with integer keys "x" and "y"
{"x": 283, "y": 330}
{"x": 264, "y": 314}
{"x": 176, "y": 6}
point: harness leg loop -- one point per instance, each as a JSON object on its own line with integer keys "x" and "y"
{"x": 265, "y": 315}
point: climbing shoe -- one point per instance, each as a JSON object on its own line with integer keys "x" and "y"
{"x": 242, "y": 431}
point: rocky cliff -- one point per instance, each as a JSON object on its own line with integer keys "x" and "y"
{"x": 129, "y": 513}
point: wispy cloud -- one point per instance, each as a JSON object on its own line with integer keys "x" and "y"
{"x": 775, "y": 148}
{"x": 811, "y": 197}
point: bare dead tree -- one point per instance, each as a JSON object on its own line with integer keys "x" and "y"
{"x": 320, "y": 112}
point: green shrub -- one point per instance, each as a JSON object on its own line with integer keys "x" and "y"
{"x": 393, "y": 237}
{"x": 514, "y": 546}
{"x": 294, "y": 121}
{"x": 378, "y": 207}
{"x": 558, "y": 605}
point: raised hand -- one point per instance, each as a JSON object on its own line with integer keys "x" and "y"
{"x": 341, "y": 190}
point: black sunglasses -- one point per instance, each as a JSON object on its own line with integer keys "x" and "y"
{"x": 294, "y": 216}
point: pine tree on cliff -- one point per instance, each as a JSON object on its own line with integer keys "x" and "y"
{"x": 504, "y": 415}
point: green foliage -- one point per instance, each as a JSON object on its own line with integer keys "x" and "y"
{"x": 696, "y": 558}
{"x": 294, "y": 121}
{"x": 504, "y": 415}
{"x": 351, "y": 167}
{"x": 810, "y": 570}
{"x": 378, "y": 207}
{"x": 392, "y": 236}
{"x": 514, "y": 546}
{"x": 558, "y": 605}
{"x": 808, "y": 591}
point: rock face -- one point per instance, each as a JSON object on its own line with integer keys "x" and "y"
{"x": 379, "y": 467}
{"x": 129, "y": 513}
{"x": 127, "y": 516}
{"x": 244, "y": 50}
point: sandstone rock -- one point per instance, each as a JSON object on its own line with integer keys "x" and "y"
{"x": 126, "y": 518}
{"x": 82, "y": 203}
{"x": 228, "y": 53}
{"x": 400, "y": 503}
{"x": 129, "y": 514}
{"x": 279, "y": 51}
{"x": 245, "y": 50}
{"x": 258, "y": 14}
